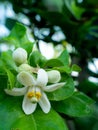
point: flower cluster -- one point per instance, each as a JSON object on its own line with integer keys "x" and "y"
{"x": 35, "y": 86}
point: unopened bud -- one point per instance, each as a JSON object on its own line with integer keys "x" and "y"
{"x": 53, "y": 76}
{"x": 25, "y": 67}
{"x": 19, "y": 56}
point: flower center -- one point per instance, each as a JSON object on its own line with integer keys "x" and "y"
{"x": 34, "y": 96}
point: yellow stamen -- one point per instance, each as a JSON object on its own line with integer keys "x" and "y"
{"x": 38, "y": 95}
{"x": 34, "y": 94}
{"x": 31, "y": 94}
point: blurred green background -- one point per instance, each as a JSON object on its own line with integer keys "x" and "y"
{"x": 59, "y": 24}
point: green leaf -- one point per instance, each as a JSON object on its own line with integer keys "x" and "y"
{"x": 12, "y": 115}
{"x": 75, "y": 10}
{"x": 11, "y": 79}
{"x": 84, "y": 97}
{"x": 25, "y": 123}
{"x": 3, "y": 84}
{"x": 10, "y": 22}
{"x": 50, "y": 121}
{"x": 92, "y": 87}
{"x": 63, "y": 69}
{"x": 75, "y": 68}
{"x": 36, "y": 58}
{"x": 68, "y": 69}
{"x": 7, "y": 60}
{"x": 18, "y": 37}
{"x": 64, "y": 92}
{"x": 1, "y": 66}
{"x": 64, "y": 58}
{"x": 76, "y": 105}
{"x": 53, "y": 63}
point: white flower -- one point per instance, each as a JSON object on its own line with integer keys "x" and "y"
{"x": 34, "y": 91}
{"x": 19, "y": 56}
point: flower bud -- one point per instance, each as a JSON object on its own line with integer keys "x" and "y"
{"x": 25, "y": 67}
{"x": 19, "y": 56}
{"x": 53, "y": 76}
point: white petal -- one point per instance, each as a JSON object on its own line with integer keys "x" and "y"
{"x": 16, "y": 91}
{"x": 44, "y": 103}
{"x": 34, "y": 88}
{"x": 53, "y": 87}
{"x": 25, "y": 78}
{"x": 27, "y": 106}
{"x": 42, "y": 78}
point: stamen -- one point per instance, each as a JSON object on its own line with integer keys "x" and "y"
{"x": 34, "y": 96}
{"x": 31, "y": 94}
{"x": 38, "y": 95}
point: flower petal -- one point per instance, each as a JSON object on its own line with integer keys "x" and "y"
{"x": 53, "y": 87}
{"x": 44, "y": 103}
{"x": 42, "y": 78}
{"x": 27, "y": 106}
{"x": 25, "y": 78}
{"x": 16, "y": 91}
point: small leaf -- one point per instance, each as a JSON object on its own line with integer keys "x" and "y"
{"x": 36, "y": 59}
{"x": 64, "y": 58}
{"x": 7, "y": 60}
{"x": 63, "y": 69}
{"x": 53, "y": 63}
{"x": 75, "y": 68}
{"x": 11, "y": 79}
{"x": 18, "y": 37}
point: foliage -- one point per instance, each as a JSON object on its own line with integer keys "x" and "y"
{"x": 78, "y": 21}
{"x": 68, "y": 101}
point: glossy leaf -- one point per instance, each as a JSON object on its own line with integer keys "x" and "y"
{"x": 75, "y": 68}
{"x": 50, "y": 121}
{"x": 36, "y": 59}
{"x": 76, "y": 105}
{"x": 3, "y": 84}
{"x": 63, "y": 69}
{"x": 11, "y": 79}
{"x": 7, "y": 60}
{"x": 64, "y": 57}
{"x": 12, "y": 115}
{"x": 53, "y": 63}
{"x": 18, "y": 37}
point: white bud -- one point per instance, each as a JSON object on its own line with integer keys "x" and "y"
{"x": 20, "y": 56}
{"x": 53, "y": 76}
{"x": 25, "y": 67}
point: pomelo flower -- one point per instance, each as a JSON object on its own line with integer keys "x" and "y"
{"x": 34, "y": 91}
{"x": 19, "y": 56}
